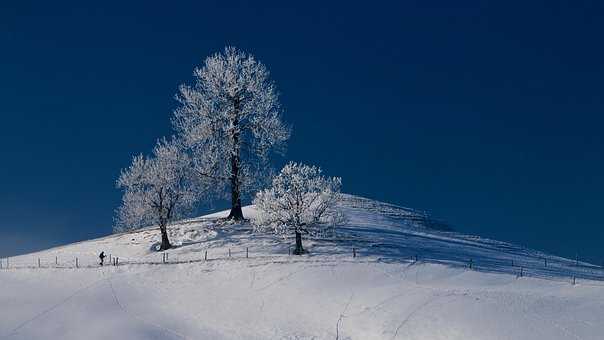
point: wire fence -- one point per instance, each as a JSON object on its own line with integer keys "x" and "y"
{"x": 548, "y": 270}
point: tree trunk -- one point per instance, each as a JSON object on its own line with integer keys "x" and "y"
{"x": 165, "y": 242}
{"x": 236, "y": 212}
{"x": 299, "y": 250}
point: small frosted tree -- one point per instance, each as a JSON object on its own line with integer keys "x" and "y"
{"x": 157, "y": 189}
{"x": 230, "y": 122}
{"x": 300, "y": 201}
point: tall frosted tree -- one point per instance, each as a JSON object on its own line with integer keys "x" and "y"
{"x": 230, "y": 122}
{"x": 157, "y": 190}
{"x": 300, "y": 201}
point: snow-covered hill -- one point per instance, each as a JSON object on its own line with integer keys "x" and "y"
{"x": 412, "y": 278}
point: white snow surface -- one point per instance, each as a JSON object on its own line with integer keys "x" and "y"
{"x": 382, "y": 293}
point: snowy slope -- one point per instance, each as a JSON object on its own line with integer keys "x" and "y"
{"x": 408, "y": 281}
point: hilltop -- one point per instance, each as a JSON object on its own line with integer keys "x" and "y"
{"x": 387, "y": 273}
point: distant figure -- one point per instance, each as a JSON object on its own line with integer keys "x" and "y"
{"x": 102, "y": 257}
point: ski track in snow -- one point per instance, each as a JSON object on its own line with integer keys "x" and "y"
{"x": 342, "y": 316}
{"x": 415, "y": 311}
{"x": 139, "y": 318}
{"x": 52, "y": 308}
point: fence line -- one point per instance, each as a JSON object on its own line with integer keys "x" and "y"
{"x": 481, "y": 266}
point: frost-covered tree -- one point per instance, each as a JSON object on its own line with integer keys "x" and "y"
{"x": 300, "y": 200}
{"x": 230, "y": 122}
{"x": 157, "y": 189}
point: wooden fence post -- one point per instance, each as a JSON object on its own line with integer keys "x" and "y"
{"x": 574, "y": 280}
{"x": 545, "y": 261}
{"x": 354, "y": 252}
{"x": 247, "y": 252}
{"x": 471, "y": 263}
{"x": 206, "y": 255}
{"x": 39, "y": 263}
{"x": 56, "y": 260}
{"x": 77, "y": 263}
{"x": 229, "y": 252}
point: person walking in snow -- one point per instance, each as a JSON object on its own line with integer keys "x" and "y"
{"x": 102, "y": 257}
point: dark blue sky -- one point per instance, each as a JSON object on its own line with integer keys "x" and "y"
{"x": 489, "y": 115}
